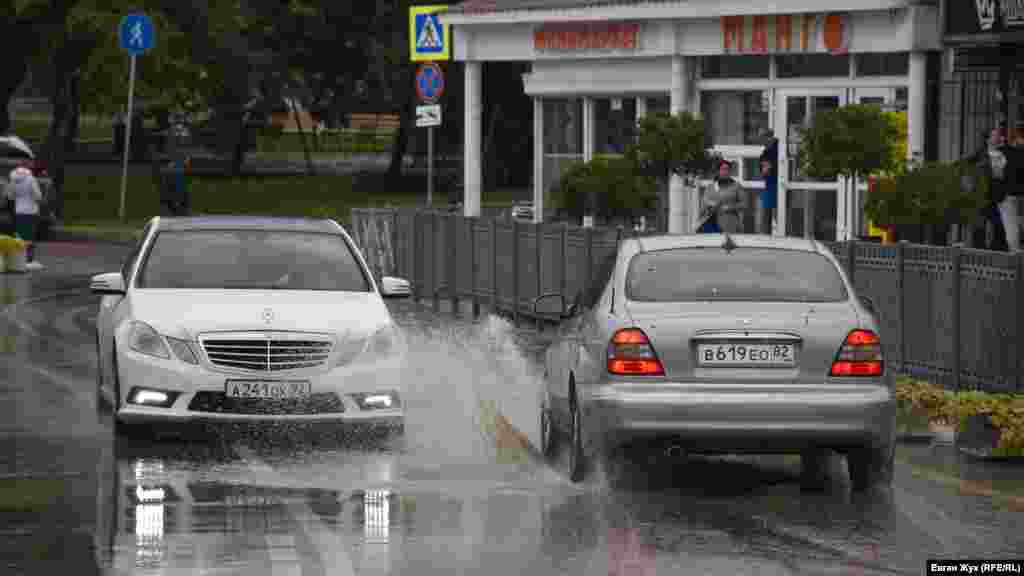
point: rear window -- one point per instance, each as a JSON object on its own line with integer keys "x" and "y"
{"x": 251, "y": 260}
{"x": 745, "y": 274}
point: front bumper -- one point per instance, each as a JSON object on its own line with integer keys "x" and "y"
{"x": 201, "y": 394}
{"x": 748, "y": 419}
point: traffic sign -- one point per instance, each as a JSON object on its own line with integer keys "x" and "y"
{"x": 137, "y": 34}
{"x": 429, "y": 40}
{"x": 428, "y": 115}
{"x": 429, "y": 83}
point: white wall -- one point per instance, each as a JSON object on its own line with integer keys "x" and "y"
{"x": 599, "y": 77}
{"x": 897, "y": 30}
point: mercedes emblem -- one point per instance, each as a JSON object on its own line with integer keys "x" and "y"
{"x": 268, "y": 315}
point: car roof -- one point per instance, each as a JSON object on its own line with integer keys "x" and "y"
{"x": 667, "y": 242}
{"x": 225, "y": 222}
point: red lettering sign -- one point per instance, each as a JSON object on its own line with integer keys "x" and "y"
{"x": 759, "y": 39}
{"x": 586, "y": 37}
{"x": 784, "y": 32}
{"x": 806, "y": 21}
{"x": 834, "y": 34}
{"x": 732, "y": 33}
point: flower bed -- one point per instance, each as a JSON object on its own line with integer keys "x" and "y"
{"x": 9, "y": 244}
{"x": 966, "y": 410}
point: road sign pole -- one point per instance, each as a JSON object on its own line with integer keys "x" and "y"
{"x": 127, "y": 138}
{"x": 430, "y": 167}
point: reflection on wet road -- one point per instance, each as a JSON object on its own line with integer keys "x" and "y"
{"x": 436, "y": 501}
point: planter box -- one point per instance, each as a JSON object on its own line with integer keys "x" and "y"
{"x": 980, "y": 438}
{"x": 913, "y": 425}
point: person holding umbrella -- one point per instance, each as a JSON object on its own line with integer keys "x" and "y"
{"x": 24, "y": 189}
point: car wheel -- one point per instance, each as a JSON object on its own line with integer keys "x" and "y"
{"x": 576, "y": 459}
{"x": 870, "y": 466}
{"x": 547, "y": 432}
{"x": 103, "y": 405}
{"x": 813, "y": 469}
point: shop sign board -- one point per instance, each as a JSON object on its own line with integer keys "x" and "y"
{"x": 973, "y": 17}
{"x": 586, "y": 36}
{"x": 786, "y": 33}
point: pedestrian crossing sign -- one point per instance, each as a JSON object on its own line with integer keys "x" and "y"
{"x": 429, "y": 40}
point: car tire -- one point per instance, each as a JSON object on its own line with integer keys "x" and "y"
{"x": 576, "y": 455}
{"x": 548, "y": 442}
{"x": 870, "y": 466}
{"x": 103, "y": 406}
{"x": 813, "y": 469}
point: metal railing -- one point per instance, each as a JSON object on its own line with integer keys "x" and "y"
{"x": 951, "y": 315}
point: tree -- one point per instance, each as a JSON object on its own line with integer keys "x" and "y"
{"x": 853, "y": 141}
{"x": 606, "y": 187}
{"x": 669, "y": 145}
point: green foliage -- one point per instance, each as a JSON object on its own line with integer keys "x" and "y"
{"x": 613, "y": 184}
{"x": 856, "y": 140}
{"x": 929, "y": 193}
{"x": 672, "y": 144}
{"x": 1004, "y": 411}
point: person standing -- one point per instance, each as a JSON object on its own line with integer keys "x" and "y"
{"x": 770, "y": 173}
{"x": 994, "y": 161}
{"x": 24, "y": 189}
{"x": 725, "y": 202}
{"x": 1006, "y": 163}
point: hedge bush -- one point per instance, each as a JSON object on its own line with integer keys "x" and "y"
{"x": 612, "y": 184}
{"x": 1005, "y": 411}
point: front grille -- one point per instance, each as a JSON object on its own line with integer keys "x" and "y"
{"x": 218, "y": 402}
{"x": 269, "y": 353}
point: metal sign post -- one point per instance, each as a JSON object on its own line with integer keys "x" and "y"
{"x": 429, "y": 88}
{"x": 137, "y": 36}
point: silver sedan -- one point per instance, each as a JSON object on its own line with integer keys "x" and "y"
{"x": 720, "y": 344}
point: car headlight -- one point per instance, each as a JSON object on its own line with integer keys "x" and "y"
{"x": 143, "y": 339}
{"x": 183, "y": 350}
{"x": 380, "y": 344}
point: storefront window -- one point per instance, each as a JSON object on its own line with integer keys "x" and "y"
{"x": 659, "y": 105}
{"x": 735, "y": 66}
{"x": 563, "y": 137}
{"x": 735, "y": 117}
{"x": 812, "y": 65}
{"x": 614, "y": 125}
{"x": 883, "y": 64}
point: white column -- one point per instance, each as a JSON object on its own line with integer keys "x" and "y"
{"x": 473, "y": 127}
{"x": 641, "y": 107}
{"x": 916, "y": 105}
{"x": 679, "y": 101}
{"x": 538, "y": 160}
{"x": 589, "y": 119}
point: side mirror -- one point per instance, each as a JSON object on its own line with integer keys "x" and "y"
{"x": 550, "y": 306}
{"x": 391, "y": 287}
{"x": 109, "y": 283}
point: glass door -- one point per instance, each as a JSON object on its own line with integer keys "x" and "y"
{"x": 808, "y": 207}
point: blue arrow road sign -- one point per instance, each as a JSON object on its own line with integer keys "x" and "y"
{"x": 137, "y": 33}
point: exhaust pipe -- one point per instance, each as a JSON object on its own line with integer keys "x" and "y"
{"x": 674, "y": 451}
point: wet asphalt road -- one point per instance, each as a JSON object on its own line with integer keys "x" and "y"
{"x": 440, "y": 500}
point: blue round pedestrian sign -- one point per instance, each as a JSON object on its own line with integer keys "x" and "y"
{"x": 429, "y": 83}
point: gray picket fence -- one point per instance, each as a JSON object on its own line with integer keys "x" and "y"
{"x": 951, "y": 315}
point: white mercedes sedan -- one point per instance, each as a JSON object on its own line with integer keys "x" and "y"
{"x": 250, "y": 319}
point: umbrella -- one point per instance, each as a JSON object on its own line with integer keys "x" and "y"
{"x": 14, "y": 146}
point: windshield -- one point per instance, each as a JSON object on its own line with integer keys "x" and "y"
{"x": 744, "y": 274}
{"x": 251, "y": 260}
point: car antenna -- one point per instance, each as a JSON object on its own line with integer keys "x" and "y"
{"x": 728, "y": 245}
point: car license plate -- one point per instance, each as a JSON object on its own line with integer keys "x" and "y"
{"x": 746, "y": 355}
{"x": 267, "y": 389}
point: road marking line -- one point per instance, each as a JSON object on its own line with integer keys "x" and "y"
{"x": 328, "y": 544}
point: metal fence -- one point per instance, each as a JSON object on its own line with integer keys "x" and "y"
{"x": 951, "y": 315}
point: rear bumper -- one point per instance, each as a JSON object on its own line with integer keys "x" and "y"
{"x": 752, "y": 419}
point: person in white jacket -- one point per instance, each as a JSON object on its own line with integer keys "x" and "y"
{"x": 24, "y": 189}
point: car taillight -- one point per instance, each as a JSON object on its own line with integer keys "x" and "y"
{"x": 861, "y": 355}
{"x": 631, "y": 353}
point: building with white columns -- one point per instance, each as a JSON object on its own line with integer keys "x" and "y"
{"x": 597, "y": 65}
